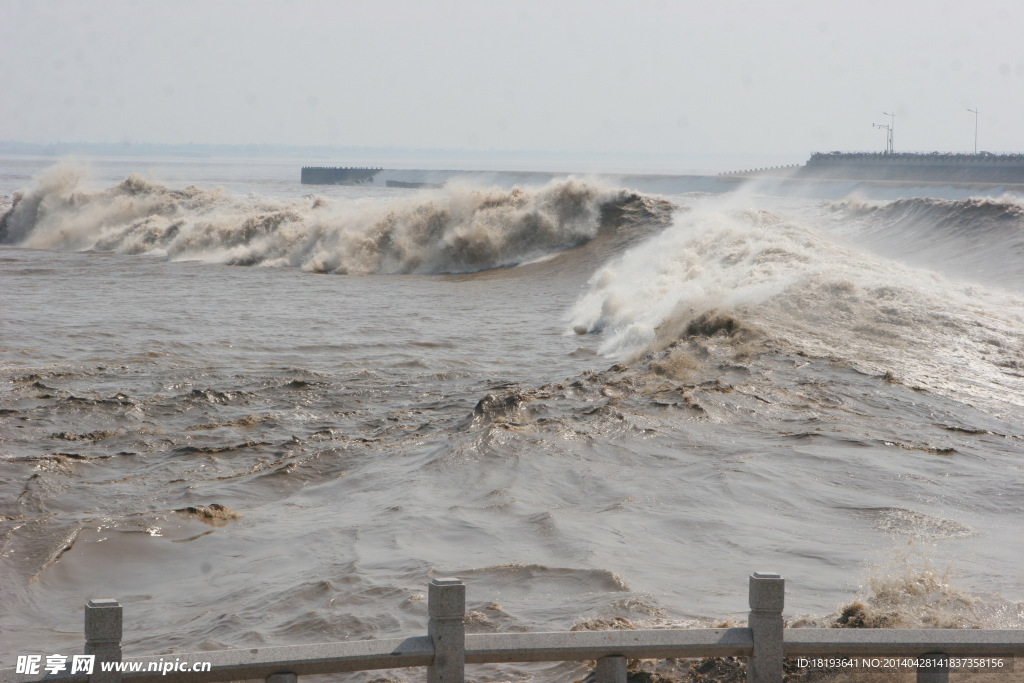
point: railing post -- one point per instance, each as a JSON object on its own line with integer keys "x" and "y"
{"x": 767, "y": 598}
{"x": 282, "y": 677}
{"x": 103, "y": 637}
{"x": 446, "y": 605}
{"x": 937, "y": 674}
{"x": 611, "y": 669}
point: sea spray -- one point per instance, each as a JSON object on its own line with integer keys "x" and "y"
{"x": 805, "y": 291}
{"x": 711, "y": 257}
{"x": 457, "y": 229}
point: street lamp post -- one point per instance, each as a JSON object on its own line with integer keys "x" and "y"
{"x": 975, "y": 112}
{"x": 892, "y": 126}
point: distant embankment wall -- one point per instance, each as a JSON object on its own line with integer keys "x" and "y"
{"x": 965, "y": 168}
{"x": 324, "y": 175}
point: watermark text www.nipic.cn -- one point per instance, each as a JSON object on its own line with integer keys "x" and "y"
{"x": 35, "y": 665}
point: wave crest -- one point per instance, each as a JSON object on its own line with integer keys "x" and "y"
{"x": 958, "y": 212}
{"x": 752, "y": 277}
{"x": 457, "y": 229}
{"x": 979, "y": 239}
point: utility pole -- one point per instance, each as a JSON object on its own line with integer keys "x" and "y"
{"x": 975, "y": 112}
{"x": 892, "y": 125}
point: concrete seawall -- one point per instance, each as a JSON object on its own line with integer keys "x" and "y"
{"x": 960, "y": 168}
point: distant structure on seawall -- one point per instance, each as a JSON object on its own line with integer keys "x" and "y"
{"x": 984, "y": 167}
{"x": 323, "y": 175}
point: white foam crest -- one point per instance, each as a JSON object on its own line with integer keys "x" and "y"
{"x": 904, "y": 588}
{"x": 710, "y": 257}
{"x": 813, "y": 295}
{"x": 53, "y": 192}
{"x": 457, "y": 229}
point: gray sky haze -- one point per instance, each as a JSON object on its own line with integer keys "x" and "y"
{"x": 668, "y": 80}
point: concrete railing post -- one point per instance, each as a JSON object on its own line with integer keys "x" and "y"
{"x": 767, "y": 598}
{"x": 611, "y": 669}
{"x": 283, "y": 677}
{"x": 937, "y": 674}
{"x": 446, "y": 605}
{"x": 103, "y": 637}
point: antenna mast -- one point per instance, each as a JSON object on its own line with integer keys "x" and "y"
{"x": 975, "y": 112}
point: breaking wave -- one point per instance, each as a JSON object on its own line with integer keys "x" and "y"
{"x": 981, "y": 239}
{"x": 457, "y": 229}
{"x": 962, "y": 214}
{"x": 709, "y": 259}
{"x": 762, "y": 281}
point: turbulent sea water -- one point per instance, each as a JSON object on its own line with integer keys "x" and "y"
{"x": 259, "y": 413}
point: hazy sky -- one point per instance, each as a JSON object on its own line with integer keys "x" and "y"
{"x": 771, "y": 78}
